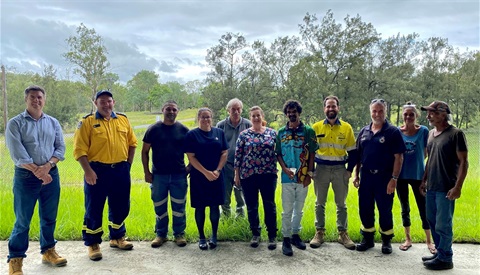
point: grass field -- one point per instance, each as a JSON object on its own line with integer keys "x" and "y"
{"x": 141, "y": 221}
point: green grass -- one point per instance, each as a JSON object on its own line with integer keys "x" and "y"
{"x": 141, "y": 221}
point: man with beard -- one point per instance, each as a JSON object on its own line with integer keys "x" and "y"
{"x": 169, "y": 175}
{"x": 380, "y": 148}
{"x": 295, "y": 146}
{"x": 445, "y": 172}
{"x": 232, "y": 126}
{"x": 336, "y": 148}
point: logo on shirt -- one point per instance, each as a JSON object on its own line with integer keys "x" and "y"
{"x": 382, "y": 140}
{"x": 79, "y": 125}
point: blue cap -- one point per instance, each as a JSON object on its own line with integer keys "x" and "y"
{"x": 103, "y": 92}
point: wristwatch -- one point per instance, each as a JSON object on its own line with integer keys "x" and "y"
{"x": 394, "y": 177}
{"x": 52, "y": 164}
{"x": 310, "y": 173}
{"x": 219, "y": 171}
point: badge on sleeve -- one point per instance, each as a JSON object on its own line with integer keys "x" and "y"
{"x": 79, "y": 124}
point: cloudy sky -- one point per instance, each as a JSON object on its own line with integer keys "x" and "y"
{"x": 172, "y": 37}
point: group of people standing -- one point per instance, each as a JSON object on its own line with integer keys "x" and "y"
{"x": 240, "y": 155}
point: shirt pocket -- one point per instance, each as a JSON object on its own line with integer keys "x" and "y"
{"x": 122, "y": 133}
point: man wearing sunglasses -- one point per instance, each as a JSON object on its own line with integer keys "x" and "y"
{"x": 380, "y": 147}
{"x": 166, "y": 139}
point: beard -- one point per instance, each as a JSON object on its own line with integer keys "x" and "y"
{"x": 331, "y": 114}
{"x": 292, "y": 118}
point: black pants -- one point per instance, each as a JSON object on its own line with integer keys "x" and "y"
{"x": 402, "y": 191}
{"x": 266, "y": 185}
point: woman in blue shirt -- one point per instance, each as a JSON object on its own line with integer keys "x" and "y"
{"x": 415, "y": 137}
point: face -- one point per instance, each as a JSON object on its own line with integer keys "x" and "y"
{"x": 331, "y": 109}
{"x": 436, "y": 118}
{"x": 256, "y": 116}
{"x": 235, "y": 111}
{"x": 293, "y": 115}
{"x": 105, "y": 105}
{"x": 170, "y": 112}
{"x": 205, "y": 119}
{"x": 409, "y": 116}
{"x": 377, "y": 112}
{"x": 35, "y": 100}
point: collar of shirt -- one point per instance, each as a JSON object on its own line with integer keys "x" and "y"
{"x": 300, "y": 127}
{"x": 385, "y": 126}
{"x": 99, "y": 116}
{"x": 26, "y": 114}
{"x": 337, "y": 121}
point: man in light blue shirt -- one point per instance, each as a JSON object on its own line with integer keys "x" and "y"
{"x": 35, "y": 142}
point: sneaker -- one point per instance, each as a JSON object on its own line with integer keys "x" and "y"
{"x": 297, "y": 242}
{"x": 15, "y": 266}
{"x": 344, "y": 239}
{"x": 318, "y": 239}
{"x": 272, "y": 243}
{"x": 94, "y": 252}
{"x": 158, "y": 241}
{"x": 180, "y": 240}
{"x": 287, "y": 247}
{"x": 429, "y": 258}
{"x": 255, "y": 241}
{"x": 437, "y": 264}
{"x": 51, "y": 257}
{"x": 121, "y": 244}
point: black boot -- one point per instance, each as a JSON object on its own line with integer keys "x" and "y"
{"x": 386, "y": 245}
{"x": 367, "y": 241}
{"x": 297, "y": 242}
{"x": 287, "y": 247}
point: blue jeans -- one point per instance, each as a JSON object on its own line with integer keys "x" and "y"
{"x": 27, "y": 189}
{"x": 293, "y": 200}
{"x": 177, "y": 185}
{"x": 440, "y": 216}
{"x": 228, "y": 175}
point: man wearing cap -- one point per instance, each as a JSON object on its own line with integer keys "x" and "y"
{"x": 166, "y": 139}
{"x": 232, "y": 126}
{"x": 445, "y": 172}
{"x": 380, "y": 148}
{"x": 104, "y": 145}
{"x": 35, "y": 142}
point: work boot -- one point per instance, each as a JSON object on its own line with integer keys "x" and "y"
{"x": 386, "y": 244}
{"x": 158, "y": 241}
{"x": 344, "y": 239}
{"x": 15, "y": 266}
{"x": 94, "y": 252}
{"x": 367, "y": 241}
{"x": 437, "y": 264}
{"x": 51, "y": 257}
{"x": 180, "y": 240}
{"x": 287, "y": 247}
{"x": 297, "y": 242}
{"x": 318, "y": 239}
{"x": 121, "y": 244}
{"x": 272, "y": 243}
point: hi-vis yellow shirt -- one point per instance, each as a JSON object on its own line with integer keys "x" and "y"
{"x": 102, "y": 140}
{"x": 333, "y": 141}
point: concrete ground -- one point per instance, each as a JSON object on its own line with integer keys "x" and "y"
{"x": 240, "y": 258}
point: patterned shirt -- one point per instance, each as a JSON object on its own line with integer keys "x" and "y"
{"x": 255, "y": 153}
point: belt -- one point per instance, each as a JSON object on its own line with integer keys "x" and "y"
{"x": 109, "y": 165}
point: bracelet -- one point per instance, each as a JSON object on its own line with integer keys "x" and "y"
{"x": 394, "y": 177}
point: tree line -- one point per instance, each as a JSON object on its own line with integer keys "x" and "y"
{"x": 348, "y": 59}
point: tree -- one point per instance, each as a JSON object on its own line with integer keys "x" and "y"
{"x": 140, "y": 88}
{"x": 88, "y": 53}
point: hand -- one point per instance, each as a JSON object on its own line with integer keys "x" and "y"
{"x": 91, "y": 177}
{"x": 306, "y": 181}
{"x": 148, "y": 177}
{"x": 42, "y": 171}
{"x": 392, "y": 184}
{"x": 356, "y": 182}
{"x": 46, "y": 179}
{"x": 454, "y": 193}
{"x": 236, "y": 180}
{"x": 423, "y": 188}
{"x": 211, "y": 175}
{"x": 348, "y": 174}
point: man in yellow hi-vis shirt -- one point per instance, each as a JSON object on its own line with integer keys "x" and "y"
{"x": 104, "y": 144}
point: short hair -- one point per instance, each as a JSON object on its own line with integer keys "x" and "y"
{"x": 234, "y": 101}
{"x": 292, "y": 104}
{"x": 331, "y": 97}
{"x": 204, "y": 109}
{"x": 380, "y": 102}
{"x": 255, "y": 108}
{"x": 34, "y": 88}
{"x": 169, "y": 102}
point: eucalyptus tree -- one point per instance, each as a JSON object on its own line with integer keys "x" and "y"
{"x": 141, "y": 90}
{"x": 87, "y": 52}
